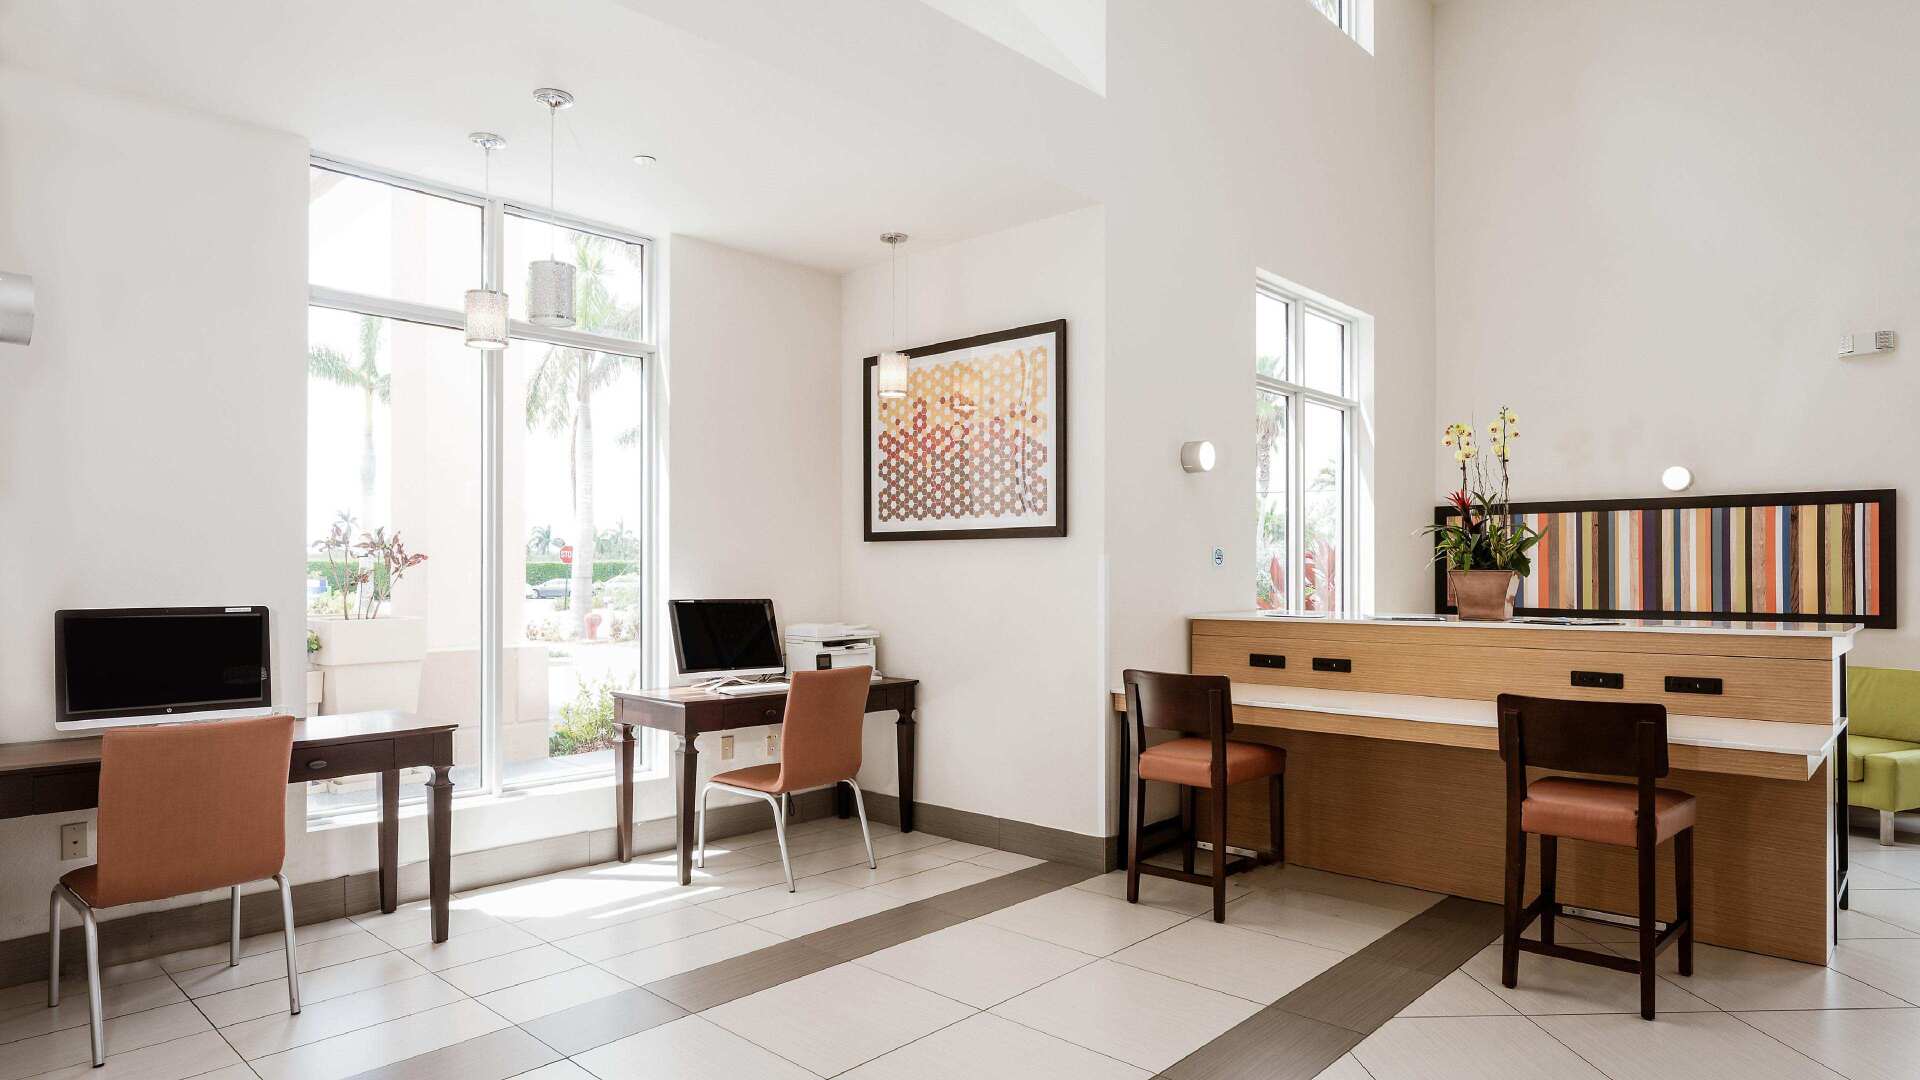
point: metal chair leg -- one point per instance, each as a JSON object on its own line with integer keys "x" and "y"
{"x": 98, "y": 1024}
{"x": 861, "y": 805}
{"x": 286, "y": 929}
{"x": 700, "y": 827}
{"x": 53, "y": 948}
{"x": 233, "y": 950}
{"x": 780, "y": 831}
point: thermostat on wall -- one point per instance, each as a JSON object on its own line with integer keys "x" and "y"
{"x": 1866, "y": 343}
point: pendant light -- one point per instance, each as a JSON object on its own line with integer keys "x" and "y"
{"x": 893, "y": 363}
{"x": 487, "y": 306}
{"x": 550, "y": 281}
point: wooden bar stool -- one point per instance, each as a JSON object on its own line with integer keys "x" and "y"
{"x": 1200, "y": 707}
{"x": 1613, "y": 739}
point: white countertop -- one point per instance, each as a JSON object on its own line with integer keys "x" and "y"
{"x": 1655, "y": 626}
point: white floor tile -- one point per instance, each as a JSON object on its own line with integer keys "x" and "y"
{"x": 1549, "y": 985}
{"x": 74, "y": 1046}
{"x": 689, "y": 1048}
{"x": 35, "y": 992}
{"x": 509, "y": 969}
{"x": 1458, "y": 995}
{"x": 1005, "y": 860}
{"x": 1468, "y": 1048}
{"x": 1866, "y": 877}
{"x": 768, "y": 899}
{"x": 1892, "y": 965}
{"x": 1854, "y": 925}
{"x": 940, "y": 879}
{"x": 1244, "y": 963}
{"x": 564, "y": 1069}
{"x": 1378, "y": 894}
{"x": 1144, "y": 1019}
{"x": 832, "y": 1020}
{"x": 1316, "y": 918}
{"x": 955, "y": 849}
{"x": 1347, "y": 1068}
{"x": 1085, "y": 921}
{"x": 1701, "y": 1046}
{"x": 838, "y": 857}
{"x": 337, "y": 1016}
{"x": 984, "y": 1045}
{"x": 1180, "y": 897}
{"x": 412, "y": 924}
{"x": 976, "y": 963}
{"x": 889, "y": 841}
{"x": 893, "y": 866}
{"x": 209, "y": 955}
{"x": 34, "y": 1018}
{"x": 845, "y": 907}
{"x": 540, "y": 997}
{"x": 266, "y": 998}
{"x": 482, "y": 944}
{"x": 176, "y": 1059}
{"x": 266, "y": 966}
{"x": 1742, "y": 981}
{"x": 381, "y": 1044}
{"x": 684, "y": 954}
{"x": 1861, "y": 1044}
{"x": 641, "y": 933}
{"x": 1901, "y": 907}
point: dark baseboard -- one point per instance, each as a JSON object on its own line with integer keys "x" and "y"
{"x": 157, "y": 933}
{"x": 1039, "y": 841}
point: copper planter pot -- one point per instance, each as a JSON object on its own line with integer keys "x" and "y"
{"x": 1484, "y": 595}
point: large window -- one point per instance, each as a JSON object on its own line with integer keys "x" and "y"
{"x": 1351, "y": 16}
{"x": 433, "y": 469}
{"x": 1304, "y": 419}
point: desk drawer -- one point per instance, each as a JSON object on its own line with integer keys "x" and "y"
{"x": 345, "y": 759}
{"x": 754, "y": 713}
{"x": 16, "y": 795}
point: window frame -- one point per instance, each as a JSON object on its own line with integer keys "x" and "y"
{"x": 1297, "y": 394}
{"x": 493, "y": 431}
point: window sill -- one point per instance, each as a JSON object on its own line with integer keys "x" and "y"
{"x": 417, "y": 808}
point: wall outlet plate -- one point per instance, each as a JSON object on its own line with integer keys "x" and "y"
{"x": 726, "y": 748}
{"x": 773, "y": 742}
{"x": 73, "y": 841}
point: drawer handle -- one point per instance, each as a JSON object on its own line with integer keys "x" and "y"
{"x": 1333, "y": 663}
{"x": 1600, "y": 680}
{"x": 1266, "y": 660}
{"x": 770, "y": 713}
{"x": 1692, "y": 684}
{"x": 317, "y": 764}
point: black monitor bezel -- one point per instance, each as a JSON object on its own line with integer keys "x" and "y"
{"x": 65, "y": 716}
{"x": 680, "y": 652}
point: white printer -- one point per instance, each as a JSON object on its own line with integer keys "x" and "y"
{"x": 820, "y": 646}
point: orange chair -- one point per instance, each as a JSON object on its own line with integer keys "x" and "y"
{"x": 820, "y": 747}
{"x": 183, "y": 809}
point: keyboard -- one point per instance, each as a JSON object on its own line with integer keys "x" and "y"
{"x": 753, "y": 688}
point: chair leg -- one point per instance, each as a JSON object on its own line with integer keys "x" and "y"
{"x": 1516, "y": 880}
{"x": 1219, "y": 855}
{"x": 96, "y": 1022}
{"x": 1277, "y": 817}
{"x": 780, "y": 831}
{"x": 860, "y": 805}
{"x": 53, "y": 949}
{"x": 286, "y": 931}
{"x": 1134, "y": 841}
{"x": 700, "y": 827}
{"x": 1549, "y": 877}
{"x": 1189, "y": 832}
{"x": 1886, "y": 828}
{"x": 1648, "y": 979}
{"x": 233, "y": 943}
{"x": 1683, "y": 896}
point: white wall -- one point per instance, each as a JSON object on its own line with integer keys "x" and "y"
{"x": 1006, "y": 633}
{"x": 1652, "y": 223}
{"x": 150, "y": 449}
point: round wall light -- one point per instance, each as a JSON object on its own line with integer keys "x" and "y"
{"x": 1677, "y": 478}
{"x": 1197, "y": 456}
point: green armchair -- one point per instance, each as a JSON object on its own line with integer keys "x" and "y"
{"x": 1883, "y": 742}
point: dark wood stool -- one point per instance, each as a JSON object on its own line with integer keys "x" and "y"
{"x": 1612, "y": 739}
{"x": 1200, "y": 707}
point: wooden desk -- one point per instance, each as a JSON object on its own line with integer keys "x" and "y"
{"x": 689, "y": 713}
{"x": 60, "y": 775}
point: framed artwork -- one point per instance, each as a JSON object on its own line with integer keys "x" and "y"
{"x": 977, "y": 449}
{"x": 1796, "y": 557}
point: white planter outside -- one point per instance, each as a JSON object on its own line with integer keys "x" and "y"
{"x": 370, "y": 663}
{"x": 316, "y": 688}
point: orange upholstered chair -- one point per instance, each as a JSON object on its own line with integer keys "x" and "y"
{"x": 819, "y": 747}
{"x": 183, "y": 809}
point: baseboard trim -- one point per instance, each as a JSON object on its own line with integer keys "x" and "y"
{"x": 1008, "y": 834}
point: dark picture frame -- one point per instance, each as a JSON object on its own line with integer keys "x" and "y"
{"x": 1057, "y": 465}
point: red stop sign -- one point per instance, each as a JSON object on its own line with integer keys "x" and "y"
{"x": 566, "y": 554}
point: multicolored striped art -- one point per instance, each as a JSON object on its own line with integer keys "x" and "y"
{"x": 1798, "y": 557}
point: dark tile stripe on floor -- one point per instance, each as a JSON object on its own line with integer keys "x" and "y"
{"x": 1303, "y": 1033}
{"x": 598, "y": 1022}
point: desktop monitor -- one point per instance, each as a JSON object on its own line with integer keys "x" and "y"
{"x": 115, "y": 666}
{"x": 726, "y": 637}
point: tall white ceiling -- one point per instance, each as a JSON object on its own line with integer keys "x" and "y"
{"x": 796, "y": 130}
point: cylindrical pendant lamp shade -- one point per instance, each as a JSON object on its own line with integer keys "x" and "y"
{"x": 16, "y": 309}
{"x": 486, "y": 319}
{"x": 893, "y": 375}
{"x": 550, "y": 293}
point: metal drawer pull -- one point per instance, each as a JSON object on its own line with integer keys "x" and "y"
{"x": 317, "y": 763}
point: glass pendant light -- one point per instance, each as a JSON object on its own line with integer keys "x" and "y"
{"x": 550, "y": 281}
{"x": 487, "y": 306}
{"x": 892, "y": 374}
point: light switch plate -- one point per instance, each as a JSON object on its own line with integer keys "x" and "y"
{"x": 73, "y": 841}
{"x": 773, "y": 742}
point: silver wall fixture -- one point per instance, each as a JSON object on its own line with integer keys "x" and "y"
{"x": 550, "y": 281}
{"x": 16, "y": 309}
{"x": 1866, "y": 343}
{"x": 1197, "y": 456}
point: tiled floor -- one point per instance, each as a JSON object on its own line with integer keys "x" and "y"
{"x": 549, "y": 979}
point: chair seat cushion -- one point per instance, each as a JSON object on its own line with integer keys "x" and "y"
{"x": 1190, "y": 761}
{"x": 754, "y": 778}
{"x": 1861, "y": 747}
{"x": 1599, "y": 810}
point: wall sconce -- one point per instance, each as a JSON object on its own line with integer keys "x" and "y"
{"x": 1677, "y": 478}
{"x": 1197, "y": 456}
{"x": 16, "y": 309}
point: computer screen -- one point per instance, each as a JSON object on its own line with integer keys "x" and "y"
{"x": 734, "y": 636}
{"x": 117, "y": 664}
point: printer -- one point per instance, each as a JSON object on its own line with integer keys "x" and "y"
{"x": 821, "y": 646}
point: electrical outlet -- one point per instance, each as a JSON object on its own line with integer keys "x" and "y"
{"x": 773, "y": 742}
{"x": 726, "y": 748}
{"x": 73, "y": 841}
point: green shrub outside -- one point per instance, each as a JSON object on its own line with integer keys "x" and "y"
{"x": 586, "y": 722}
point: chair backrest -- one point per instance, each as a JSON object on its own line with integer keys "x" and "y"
{"x": 191, "y": 807}
{"x": 1883, "y": 703}
{"x": 1199, "y": 705}
{"x": 1615, "y": 738}
{"x": 820, "y": 738}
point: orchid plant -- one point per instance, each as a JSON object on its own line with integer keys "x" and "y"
{"x": 356, "y": 573}
{"x": 1486, "y": 536}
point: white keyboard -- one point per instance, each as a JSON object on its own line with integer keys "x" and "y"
{"x": 753, "y": 688}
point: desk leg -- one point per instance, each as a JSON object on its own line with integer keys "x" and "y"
{"x": 439, "y": 846}
{"x": 390, "y": 841}
{"x": 623, "y": 797}
{"x": 1838, "y": 766}
{"x": 686, "y": 782}
{"x": 903, "y": 729}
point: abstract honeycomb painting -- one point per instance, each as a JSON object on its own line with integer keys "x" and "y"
{"x": 977, "y": 447}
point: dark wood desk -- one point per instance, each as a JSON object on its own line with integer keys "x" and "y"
{"x": 60, "y": 775}
{"x": 689, "y": 713}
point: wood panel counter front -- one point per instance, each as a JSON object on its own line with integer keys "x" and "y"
{"x": 1393, "y": 771}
